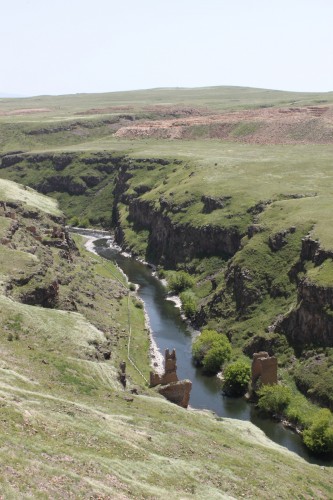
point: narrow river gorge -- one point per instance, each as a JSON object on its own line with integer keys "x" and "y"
{"x": 169, "y": 330}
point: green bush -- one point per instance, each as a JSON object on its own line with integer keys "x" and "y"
{"x": 138, "y": 303}
{"x": 319, "y": 436}
{"x": 161, "y": 274}
{"x": 189, "y": 303}
{"x": 211, "y": 349}
{"x": 315, "y": 378}
{"x": 216, "y": 356}
{"x": 203, "y": 343}
{"x": 236, "y": 378}
{"x": 74, "y": 221}
{"x": 180, "y": 281}
{"x": 84, "y": 222}
{"x": 300, "y": 411}
{"x": 274, "y": 398}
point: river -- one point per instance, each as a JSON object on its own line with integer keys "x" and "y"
{"x": 170, "y": 331}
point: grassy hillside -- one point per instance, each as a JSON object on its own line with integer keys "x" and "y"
{"x": 10, "y": 191}
{"x": 68, "y": 428}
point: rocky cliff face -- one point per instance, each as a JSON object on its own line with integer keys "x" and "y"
{"x": 311, "y": 322}
{"x": 169, "y": 242}
{"x": 311, "y": 250}
{"x": 88, "y": 177}
{"x": 240, "y": 283}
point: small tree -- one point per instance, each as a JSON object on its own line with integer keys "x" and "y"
{"x": 203, "y": 343}
{"x": 180, "y": 281}
{"x": 74, "y": 221}
{"x": 189, "y": 303}
{"x": 236, "y": 378}
{"x": 216, "y": 356}
{"x": 319, "y": 436}
{"x": 274, "y": 398}
{"x": 211, "y": 349}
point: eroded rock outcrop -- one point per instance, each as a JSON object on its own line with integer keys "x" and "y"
{"x": 311, "y": 322}
{"x": 311, "y": 250}
{"x": 44, "y": 294}
{"x": 242, "y": 284}
{"x": 211, "y": 203}
{"x": 278, "y": 240}
{"x": 175, "y": 390}
{"x": 170, "y": 242}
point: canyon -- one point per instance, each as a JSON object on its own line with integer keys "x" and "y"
{"x": 229, "y": 186}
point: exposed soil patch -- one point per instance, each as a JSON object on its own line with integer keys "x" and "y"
{"x": 25, "y": 111}
{"x": 308, "y": 124}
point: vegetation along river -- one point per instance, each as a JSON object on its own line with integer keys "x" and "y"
{"x": 170, "y": 331}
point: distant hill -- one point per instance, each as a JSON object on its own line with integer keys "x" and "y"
{"x": 236, "y": 114}
{"x": 210, "y": 98}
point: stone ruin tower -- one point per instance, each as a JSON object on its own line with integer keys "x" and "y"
{"x": 264, "y": 369}
{"x": 175, "y": 390}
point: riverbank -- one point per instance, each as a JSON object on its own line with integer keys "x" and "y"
{"x": 156, "y": 357}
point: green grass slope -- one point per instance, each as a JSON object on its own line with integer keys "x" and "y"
{"x": 67, "y": 427}
{"x": 11, "y": 191}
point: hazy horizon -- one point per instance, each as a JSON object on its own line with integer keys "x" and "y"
{"x": 6, "y": 95}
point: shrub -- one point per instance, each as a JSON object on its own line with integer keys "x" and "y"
{"x": 74, "y": 221}
{"x": 315, "y": 379}
{"x": 319, "y": 436}
{"x": 203, "y": 343}
{"x": 211, "y": 350}
{"x": 274, "y": 398}
{"x": 161, "y": 274}
{"x": 189, "y": 303}
{"x": 180, "y": 281}
{"x": 299, "y": 411}
{"x": 236, "y": 378}
{"x": 216, "y": 356}
{"x": 84, "y": 222}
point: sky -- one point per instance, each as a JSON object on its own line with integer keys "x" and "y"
{"x": 73, "y": 46}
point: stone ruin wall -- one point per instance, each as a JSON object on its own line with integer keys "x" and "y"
{"x": 264, "y": 369}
